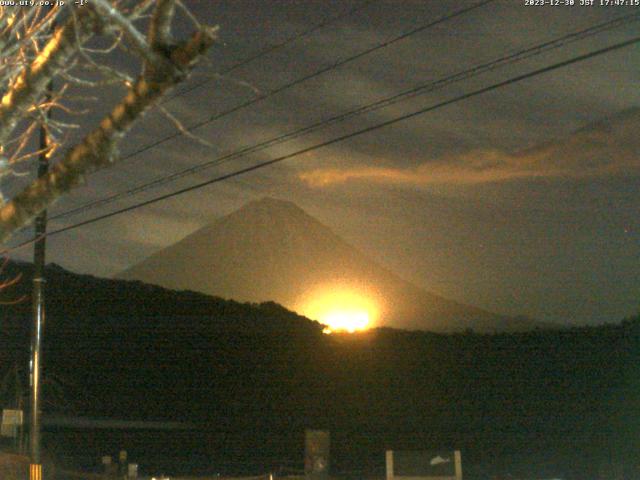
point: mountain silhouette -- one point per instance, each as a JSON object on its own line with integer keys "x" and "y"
{"x": 272, "y": 250}
{"x": 252, "y": 378}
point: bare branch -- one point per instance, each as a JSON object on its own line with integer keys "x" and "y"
{"x": 160, "y": 26}
{"x": 32, "y": 83}
{"x": 104, "y": 51}
{"x": 140, "y": 9}
{"x": 105, "y": 70}
{"x": 98, "y": 147}
{"x": 138, "y": 41}
{"x": 189, "y": 15}
{"x": 4, "y": 284}
{"x": 23, "y": 141}
{"x": 181, "y": 128}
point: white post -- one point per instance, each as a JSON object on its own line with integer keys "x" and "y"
{"x": 389, "y": 464}
{"x": 458, "y": 460}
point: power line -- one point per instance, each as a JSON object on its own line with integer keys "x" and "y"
{"x": 333, "y": 66}
{"x": 270, "y": 49}
{"x": 385, "y": 102}
{"x": 323, "y": 70}
{"x": 341, "y": 138}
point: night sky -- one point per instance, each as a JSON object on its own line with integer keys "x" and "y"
{"x": 523, "y": 200}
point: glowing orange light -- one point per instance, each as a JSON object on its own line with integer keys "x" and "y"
{"x": 340, "y": 308}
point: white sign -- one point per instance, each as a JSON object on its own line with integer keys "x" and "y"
{"x": 424, "y": 465}
{"x": 132, "y": 470}
{"x": 11, "y": 421}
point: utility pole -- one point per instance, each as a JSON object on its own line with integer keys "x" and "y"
{"x": 35, "y": 469}
{"x": 38, "y": 325}
{"x": 38, "y": 319}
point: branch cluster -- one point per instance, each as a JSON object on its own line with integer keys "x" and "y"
{"x": 39, "y": 45}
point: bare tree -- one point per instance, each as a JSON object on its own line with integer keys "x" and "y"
{"x": 39, "y": 44}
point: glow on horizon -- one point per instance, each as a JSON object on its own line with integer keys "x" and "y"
{"x": 340, "y": 308}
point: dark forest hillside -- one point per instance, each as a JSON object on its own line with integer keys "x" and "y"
{"x": 251, "y": 378}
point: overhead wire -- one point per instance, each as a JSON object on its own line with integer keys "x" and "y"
{"x": 337, "y": 64}
{"x": 362, "y": 131}
{"x": 266, "y": 51}
{"x": 382, "y": 103}
{"x": 275, "y": 47}
{"x": 316, "y": 73}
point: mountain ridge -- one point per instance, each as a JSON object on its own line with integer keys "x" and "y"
{"x": 272, "y": 250}
{"x": 254, "y": 377}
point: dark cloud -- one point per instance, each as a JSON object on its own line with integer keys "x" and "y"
{"x": 516, "y": 200}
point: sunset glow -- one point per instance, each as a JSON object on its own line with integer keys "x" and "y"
{"x": 347, "y": 320}
{"x": 341, "y": 309}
